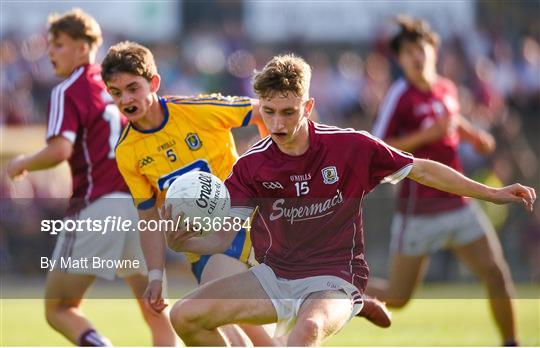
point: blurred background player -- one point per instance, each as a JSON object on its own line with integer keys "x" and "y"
{"x": 83, "y": 127}
{"x": 421, "y": 115}
{"x": 167, "y": 137}
{"x": 307, "y": 229}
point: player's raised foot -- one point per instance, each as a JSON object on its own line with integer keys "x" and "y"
{"x": 376, "y": 312}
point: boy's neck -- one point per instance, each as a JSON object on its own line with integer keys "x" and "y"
{"x": 90, "y": 59}
{"x": 153, "y": 118}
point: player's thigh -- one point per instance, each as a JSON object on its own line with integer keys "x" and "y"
{"x": 238, "y": 298}
{"x": 137, "y": 284}
{"x": 406, "y": 272}
{"x": 483, "y": 256}
{"x": 329, "y": 310}
{"x": 221, "y": 265}
{"x": 66, "y": 289}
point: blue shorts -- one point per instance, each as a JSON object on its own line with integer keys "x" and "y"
{"x": 238, "y": 250}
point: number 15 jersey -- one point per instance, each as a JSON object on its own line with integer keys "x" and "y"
{"x": 308, "y": 219}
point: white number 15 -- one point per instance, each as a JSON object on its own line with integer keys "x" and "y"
{"x": 301, "y": 188}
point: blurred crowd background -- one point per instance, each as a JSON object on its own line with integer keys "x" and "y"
{"x": 490, "y": 49}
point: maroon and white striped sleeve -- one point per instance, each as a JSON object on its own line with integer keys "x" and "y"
{"x": 385, "y": 125}
{"x": 388, "y": 164}
{"x": 63, "y": 117}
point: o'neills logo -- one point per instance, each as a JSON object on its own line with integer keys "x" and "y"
{"x": 204, "y": 199}
{"x": 306, "y": 212}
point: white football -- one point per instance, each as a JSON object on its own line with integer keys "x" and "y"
{"x": 202, "y": 197}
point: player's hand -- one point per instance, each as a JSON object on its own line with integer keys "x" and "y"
{"x": 442, "y": 127}
{"x": 515, "y": 193}
{"x": 484, "y": 143}
{"x": 16, "y": 168}
{"x": 152, "y": 297}
{"x": 176, "y": 237}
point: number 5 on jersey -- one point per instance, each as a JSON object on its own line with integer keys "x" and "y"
{"x": 171, "y": 155}
{"x": 302, "y": 188}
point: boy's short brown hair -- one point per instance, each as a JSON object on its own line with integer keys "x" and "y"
{"x": 77, "y": 25}
{"x": 283, "y": 74}
{"x": 128, "y": 57}
{"x": 413, "y": 30}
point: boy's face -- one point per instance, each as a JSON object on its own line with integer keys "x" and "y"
{"x": 284, "y": 116}
{"x": 132, "y": 94}
{"x": 417, "y": 58}
{"x": 65, "y": 53}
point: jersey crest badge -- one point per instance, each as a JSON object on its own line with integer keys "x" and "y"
{"x": 193, "y": 141}
{"x": 330, "y": 175}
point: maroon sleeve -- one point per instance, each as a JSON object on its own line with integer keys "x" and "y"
{"x": 388, "y": 164}
{"x": 63, "y": 116}
{"x": 243, "y": 196}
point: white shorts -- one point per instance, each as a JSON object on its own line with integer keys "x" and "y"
{"x": 424, "y": 234}
{"x": 92, "y": 245}
{"x": 288, "y": 295}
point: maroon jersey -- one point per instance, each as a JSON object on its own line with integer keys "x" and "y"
{"x": 81, "y": 110}
{"x": 309, "y": 207}
{"x": 405, "y": 110}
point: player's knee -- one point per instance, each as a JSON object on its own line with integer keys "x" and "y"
{"x": 151, "y": 319}
{"x": 54, "y": 308}
{"x": 178, "y": 315}
{"x": 186, "y": 317}
{"x": 308, "y": 331}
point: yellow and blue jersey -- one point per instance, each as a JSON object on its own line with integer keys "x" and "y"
{"x": 195, "y": 135}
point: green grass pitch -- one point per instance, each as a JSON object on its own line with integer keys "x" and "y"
{"x": 424, "y": 322}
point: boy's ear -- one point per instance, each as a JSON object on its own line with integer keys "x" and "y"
{"x": 155, "y": 82}
{"x": 83, "y": 47}
{"x": 310, "y": 104}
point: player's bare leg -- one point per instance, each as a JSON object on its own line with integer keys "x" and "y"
{"x": 485, "y": 258}
{"x": 238, "y": 298}
{"x": 321, "y": 315}
{"x": 160, "y": 325}
{"x": 220, "y": 266}
{"x": 406, "y": 272}
{"x": 63, "y": 296}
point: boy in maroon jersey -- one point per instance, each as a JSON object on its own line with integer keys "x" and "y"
{"x": 303, "y": 187}
{"x": 83, "y": 128}
{"x": 421, "y": 115}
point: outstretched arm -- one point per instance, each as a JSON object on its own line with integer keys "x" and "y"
{"x": 444, "y": 178}
{"x": 58, "y": 149}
